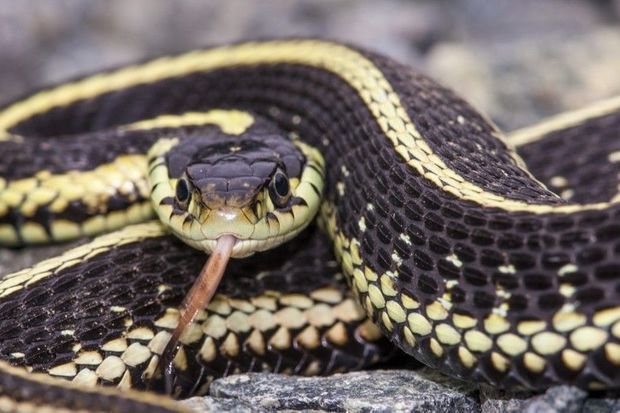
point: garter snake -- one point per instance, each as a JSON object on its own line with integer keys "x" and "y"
{"x": 461, "y": 257}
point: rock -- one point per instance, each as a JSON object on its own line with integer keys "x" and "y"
{"x": 493, "y": 400}
{"x": 220, "y": 405}
{"x": 607, "y": 402}
{"x": 369, "y": 391}
{"x": 423, "y": 390}
{"x": 559, "y": 399}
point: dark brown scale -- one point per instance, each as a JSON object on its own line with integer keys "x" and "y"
{"x": 335, "y": 119}
{"x": 580, "y": 155}
{"x": 61, "y": 153}
{"x": 80, "y": 298}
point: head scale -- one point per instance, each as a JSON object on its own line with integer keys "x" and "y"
{"x": 256, "y": 185}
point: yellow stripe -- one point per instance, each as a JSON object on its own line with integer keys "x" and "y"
{"x": 56, "y": 190}
{"x": 126, "y": 174}
{"x": 359, "y": 72}
{"x": 148, "y": 398}
{"x": 563, "y": 120}
{"x": 14, "y": 282}
{"x": 232, "y": 122}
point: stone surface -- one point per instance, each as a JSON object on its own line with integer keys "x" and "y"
{"x": 605, "y": 402}
{"x": 560, "y": 399}
{"x": 389, "y": 391}
{"x": 221, "y": 405}
{"x": 374, "y": 391}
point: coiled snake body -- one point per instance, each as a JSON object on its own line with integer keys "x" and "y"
{"x": 460, "y": 256}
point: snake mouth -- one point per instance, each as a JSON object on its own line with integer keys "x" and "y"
{"x": 241, "y": 248}
{"x": 251, "y": 236}
{"x": 226, "y": 223}
{"x": 237, "y": 222}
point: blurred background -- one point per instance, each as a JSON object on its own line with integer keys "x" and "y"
{"x": 516, "y": 61}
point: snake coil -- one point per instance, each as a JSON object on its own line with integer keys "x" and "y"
{"x": 449, "y": 244}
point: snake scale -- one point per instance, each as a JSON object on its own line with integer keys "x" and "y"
{"x": 440, "y": 234}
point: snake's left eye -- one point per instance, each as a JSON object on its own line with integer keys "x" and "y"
{"x": 182, "y": 192}
{"x": 279, "y": 189}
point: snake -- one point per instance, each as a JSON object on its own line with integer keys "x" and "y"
{"x": 431, "y": 233}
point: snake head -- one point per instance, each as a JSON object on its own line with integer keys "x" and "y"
{"x": 258, "y": 186}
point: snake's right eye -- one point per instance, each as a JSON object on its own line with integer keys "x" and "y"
{"x": 279, "y": 189}
{"x": 182, "y": 192}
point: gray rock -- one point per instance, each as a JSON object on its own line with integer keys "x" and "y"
{"x": 493, "y": 400}
{"x": 220, "y": 405}
{"x": 560, "y": 399}
{"x": 608, "y": 402}
{"x": 370, "y": 391}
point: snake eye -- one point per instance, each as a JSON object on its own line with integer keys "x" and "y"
{"x": 279, "y": 189}
{"x": 182, "y": 192}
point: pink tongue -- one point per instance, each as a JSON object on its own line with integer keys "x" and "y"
{"x": 205, "y": 285}
{"x": 199, "y": 295}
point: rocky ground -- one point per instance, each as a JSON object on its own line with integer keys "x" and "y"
{"x": 515, "y": 61}
{"x": 377, "y": 391}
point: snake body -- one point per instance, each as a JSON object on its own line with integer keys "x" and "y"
{"x": 449, "y": 244}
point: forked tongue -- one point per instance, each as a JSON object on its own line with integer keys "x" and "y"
{"x": 196, "y": 299}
